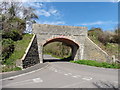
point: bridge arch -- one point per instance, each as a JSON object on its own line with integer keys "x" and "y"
{"x": 74, "y": 46}
{"x": 73, "y": 36}
{"x": 76, "y": 37}
{"x": 66, "y": 40}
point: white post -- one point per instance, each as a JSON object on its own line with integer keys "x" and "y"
{"x": 113, "y": 59}
{"x": 81, "y": 51}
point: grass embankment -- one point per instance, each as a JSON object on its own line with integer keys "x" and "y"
{"x": 20, "y": 47}
{"x": 97, "y": 64}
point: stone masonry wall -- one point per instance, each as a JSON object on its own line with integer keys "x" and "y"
{"x": 93, "y": 52}
{"x": 32, "y": 56}
{"x": 44, "y": 29}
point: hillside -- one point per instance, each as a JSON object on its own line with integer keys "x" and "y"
{"x": 20, "y": 46}
{"x": 106, "y": 40}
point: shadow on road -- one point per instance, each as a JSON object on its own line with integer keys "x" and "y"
{"x": 106, "y": 85}
{"x": 56, "y": 60}
{"x": 49, "y": 58}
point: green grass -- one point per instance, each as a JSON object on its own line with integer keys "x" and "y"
{"x": 97, "y": 64}
{"x": 20, "y": 47}
{"x": 113, "y": 49}
{"x": 6, "y": 69}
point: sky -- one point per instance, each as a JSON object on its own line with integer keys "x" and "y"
{"x": 88, "y": 14}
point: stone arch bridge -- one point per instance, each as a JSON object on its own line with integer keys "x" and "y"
{"x": 75, "y": 37}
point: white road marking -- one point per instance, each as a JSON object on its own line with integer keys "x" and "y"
{"x": 87, "y": 78}
{"x": 23, "y": 74}
{"x": 10, "y": 78}
{"x": 56, "y": 71}
{"x": 70, "y": 73}
{"x": 66, "y": 74}
{"x": 37, "y": 80}
{"x": 77, "y": 76}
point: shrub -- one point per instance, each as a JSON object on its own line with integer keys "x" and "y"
{"x": 95, "y": 32}
{"x": 116, "y": 39}
{"x": 7, "y": 48}
{"x": 14, "y": 35}
{"x": 116, "y": 36}
{"x": 104, "y": 38}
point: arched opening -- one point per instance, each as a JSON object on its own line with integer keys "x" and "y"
{"x": 69, "y": 48}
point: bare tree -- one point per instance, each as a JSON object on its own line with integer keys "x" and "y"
{"x": 11, "y": 10}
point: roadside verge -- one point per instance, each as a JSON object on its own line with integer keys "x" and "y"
{"x": 25, "y": 71}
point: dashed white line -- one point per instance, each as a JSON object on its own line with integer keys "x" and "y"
{"x": 56, "y": 71}
{"x": 87, "y": 78}
{"x": 66, "y": 74}
{"x": 77, "y": 76}
{"x": 37, "y": 80}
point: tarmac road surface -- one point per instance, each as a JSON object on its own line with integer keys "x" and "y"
{"x": 65, "y": 75}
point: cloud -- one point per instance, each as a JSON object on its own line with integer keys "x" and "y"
{"x": 98, "y": 23}
{"x": 47, "y": 13}
{"x": 33, "y": 4}
{"x": 43, "y": 12}
{"x": 114, "y": 1}
{"x": 43, "y": 9}
{"x": 53, "y": 11}
{"x": 52, "y": 22}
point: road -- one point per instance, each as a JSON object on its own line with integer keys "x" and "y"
{"x": 65, "y": 75}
